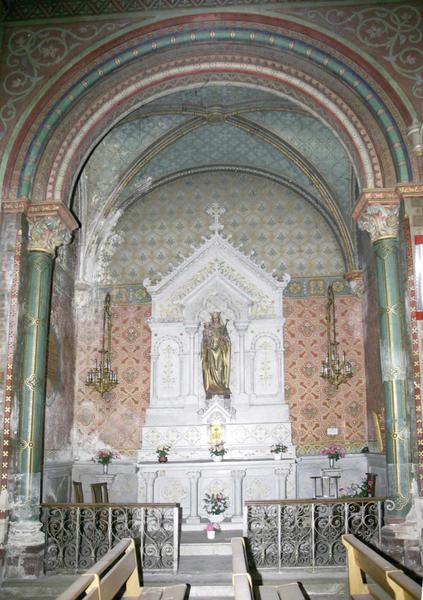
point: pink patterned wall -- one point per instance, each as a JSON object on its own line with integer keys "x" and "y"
{"x": 315, "y": 406}
{"x": 117, "y": 418}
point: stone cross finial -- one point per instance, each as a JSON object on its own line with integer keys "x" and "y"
{"x": 216, "y": 211}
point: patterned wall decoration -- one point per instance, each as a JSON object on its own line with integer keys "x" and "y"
{"x": 60, "y": 378}
{"x": 415, "y": 354}
{"x": 116, "y": 418}
{"x": 6, "y": 457}
{"x": 286, "y": 233}
{"x": 394, "y": 33}
{"x": 314, "y": 406}
{"x": 32, "y": 54}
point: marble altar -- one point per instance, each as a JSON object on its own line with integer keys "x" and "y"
{"x": 216, "y": 277}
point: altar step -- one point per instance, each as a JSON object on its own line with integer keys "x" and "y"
{"x": 206, "y": 565}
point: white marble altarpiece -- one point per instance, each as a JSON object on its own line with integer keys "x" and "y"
{"x": 217, "y": 277}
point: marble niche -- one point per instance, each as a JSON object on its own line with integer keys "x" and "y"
{"x": 217, "y": 277}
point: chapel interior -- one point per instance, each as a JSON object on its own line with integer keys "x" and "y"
{"x": 173, "y": 169}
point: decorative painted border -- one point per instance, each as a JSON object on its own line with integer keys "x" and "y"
{"x": 44, "y": 9}
{"x": 11, "y": 346}
{"x": 415, "y": 355}
{"x": 296, "y": 288}
{"x": 217, "y": 35}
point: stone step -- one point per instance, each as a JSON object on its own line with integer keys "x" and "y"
{"x": 43, "y": 588}
{"x": 196, "y": 543}
{"x": 211, "y": 591}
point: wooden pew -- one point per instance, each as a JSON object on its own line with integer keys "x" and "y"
{"x": 404, "y": 587}
{"x": 243, "y": 585}
{"x": 386, "y": 578}
{"x": 118, "y": 569}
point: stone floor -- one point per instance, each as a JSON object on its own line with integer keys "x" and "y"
{"x": 205, "y": 565}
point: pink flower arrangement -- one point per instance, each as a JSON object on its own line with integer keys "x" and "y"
{"x": 104, "y": 456}
{"x": 333, "y": 452}
{"x": 212, "y": 527}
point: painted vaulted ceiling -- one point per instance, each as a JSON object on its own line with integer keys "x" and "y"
{"x": 268, "y": 155}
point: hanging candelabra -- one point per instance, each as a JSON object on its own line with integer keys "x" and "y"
{"x": 102, "y": 377}
{"x": 335, "y": 369}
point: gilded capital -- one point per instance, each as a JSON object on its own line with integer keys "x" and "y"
{"x": 46, "y": 234}
{"x": 380, "y": 221}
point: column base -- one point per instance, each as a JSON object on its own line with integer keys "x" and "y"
{"x": 237, "y": 519}
{"x": 25, "y": 550}
{"x": 401, "y": 541}
{"x": 193, "y": 520}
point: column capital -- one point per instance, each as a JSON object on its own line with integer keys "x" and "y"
{"x": 194, "y": 475}
{"x": 238, "y": 474}
{"x": 50, "y": 226}
{"x": 377, "y": 213}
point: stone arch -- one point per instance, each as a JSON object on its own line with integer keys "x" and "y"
{"x": 41, "y": 178}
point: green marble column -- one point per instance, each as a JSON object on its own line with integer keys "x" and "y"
{"x": 31, "y": 413}
{"x": 45, "y": 235}
{"x": 381, "y": 221}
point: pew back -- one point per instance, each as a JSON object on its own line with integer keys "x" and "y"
{"x": 404, "y": 587}
{"x": 386, "y": 578}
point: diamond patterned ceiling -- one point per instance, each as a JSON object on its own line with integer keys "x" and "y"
{"x": 210, "y": 128}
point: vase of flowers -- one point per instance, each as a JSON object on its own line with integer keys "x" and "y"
{"x": 211, "y": 529}
{"x": 217, "y": 451}
{"x": 162, "y": 452}
{"x": 215, "y": 505}
{"x": 105, "y": 457}
{"x": 333, "y": 453}
{"x": 277, "y": 450}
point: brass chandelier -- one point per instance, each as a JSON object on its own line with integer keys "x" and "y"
{"x": 102, "y": 377}
{"x": 334, "y": 369}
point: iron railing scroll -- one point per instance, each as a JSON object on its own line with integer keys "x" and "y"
{"x": 77, "y": 535}
{"x": 301, "y": 533}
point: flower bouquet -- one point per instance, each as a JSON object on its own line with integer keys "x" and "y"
{"x": 217, "y": 451}
{"x": 162, "y": 452}
{"x": 277, "y": 450}
{"x": 215, "y": 505}
{"x": 333, "y": 453}
{"x": 211, "y": 529}
{"x": 104, "y": 457}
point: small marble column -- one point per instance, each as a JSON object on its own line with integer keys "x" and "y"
{"x": 241, "y": 327}
{"x": 377, "y": 213}
{"x": 149, "y": 478}
{"x": 281, "y": 478}
{"x": 237, "y": 475}
{"x": 191, "y": 330}
{"x": 194, "y": 476}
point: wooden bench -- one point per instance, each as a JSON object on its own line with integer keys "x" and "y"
{"x": 243, "y": 585}
{"x": 116, "y": 570}
{"x": 383, "y": 579}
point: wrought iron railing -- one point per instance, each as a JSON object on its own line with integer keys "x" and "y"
{"x": 77, "y": 535}
{"x": 300, "y": 533}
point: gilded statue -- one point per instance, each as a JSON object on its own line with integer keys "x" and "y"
{"x": 216, "y": 357}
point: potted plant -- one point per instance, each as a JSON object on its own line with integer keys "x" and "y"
{"x": 277, "y": 450}
{"x": 211, "y": 529}
{"x": 215, "y": 505}
{"x": 217, "y": 451}
{"x": 105, "y": 457}
{"x": 333, "y": 453}
{"x": 162, "y": 452}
